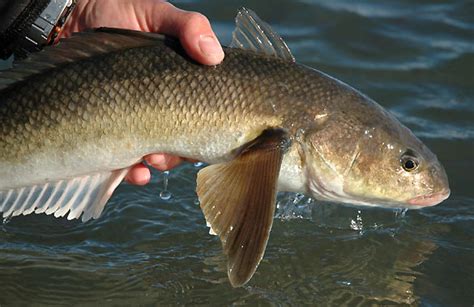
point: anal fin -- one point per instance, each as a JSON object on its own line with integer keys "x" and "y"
{"x": 86, "y": 196}
{"x": 238, "y": 201}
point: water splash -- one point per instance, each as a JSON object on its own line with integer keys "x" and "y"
{"x": 400, "y": 213}
{"x": 357, "y": 224}
{"x": 198, "y": 164}
{"x": 7, "y": 220}
{"x": 294, "y": 206}
{"x": 165, "y": 194}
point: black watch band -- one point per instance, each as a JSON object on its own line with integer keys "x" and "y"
{"x": 27, "y": 26}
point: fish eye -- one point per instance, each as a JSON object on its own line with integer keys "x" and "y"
{"x": 409, "y": 162}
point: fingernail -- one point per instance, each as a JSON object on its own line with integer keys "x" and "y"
{"x": 210, "y": 46}
{"x": 156, "y": 159}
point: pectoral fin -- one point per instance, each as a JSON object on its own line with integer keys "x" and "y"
{"x": 238, "y": 201}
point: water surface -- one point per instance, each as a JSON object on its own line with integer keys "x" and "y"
{"x": 415, "y": 58}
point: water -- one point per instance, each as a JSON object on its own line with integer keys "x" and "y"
{"x": 414, "y": 57}
{"x": 165, "y": 194}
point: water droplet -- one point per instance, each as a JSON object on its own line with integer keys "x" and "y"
{"x": 198, "y": 164}
{"x": 165, "y": 194}
{"x": 298, "y": 198}
{"x": 404, "y": 212}
{"x": 344, "y": 282}
{"x": 7, "y": 219}
{"x": 401, "y": 212}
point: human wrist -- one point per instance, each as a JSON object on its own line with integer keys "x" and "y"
{"x": 78, "y": 18}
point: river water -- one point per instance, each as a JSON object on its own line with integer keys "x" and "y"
{"x": 416, "y": 58}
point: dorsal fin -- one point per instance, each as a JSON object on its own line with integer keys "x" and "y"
{"x": 254, "y": 34}
{"x": 80, "y": 46}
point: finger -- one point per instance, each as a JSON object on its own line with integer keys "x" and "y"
{"x": 193, "y": 30}
{"x": 163, "y": 162}
{"x": 139, "y": 175}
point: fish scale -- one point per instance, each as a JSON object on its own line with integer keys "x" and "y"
{"x": 125, "y": 100}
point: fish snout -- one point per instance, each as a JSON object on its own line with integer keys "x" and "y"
{"x": 438, "y": 180}
{"x": 430, "y": 199}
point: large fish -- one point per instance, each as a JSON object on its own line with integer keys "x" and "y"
{"x": 74, "y": 118}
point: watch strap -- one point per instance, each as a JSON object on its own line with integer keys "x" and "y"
{"x": 46, "y": 27}
{"x": 16, "y": 17}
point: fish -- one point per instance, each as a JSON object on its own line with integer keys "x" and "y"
{"x": 75, "y": 117}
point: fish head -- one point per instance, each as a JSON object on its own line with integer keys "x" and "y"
{"x": 371, "y": 159}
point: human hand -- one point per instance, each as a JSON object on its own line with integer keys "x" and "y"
{"x": 192, "y": 29}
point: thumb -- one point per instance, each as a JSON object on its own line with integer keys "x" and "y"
{"x": 193, "y": 30}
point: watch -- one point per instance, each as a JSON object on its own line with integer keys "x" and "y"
{"x": 46, "y": 27}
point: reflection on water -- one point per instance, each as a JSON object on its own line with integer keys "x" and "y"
{"x": 151, "y": 246}
{"x": 372, "y": 275}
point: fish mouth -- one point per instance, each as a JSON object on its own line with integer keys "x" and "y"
{"x": 430, "y": 199}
